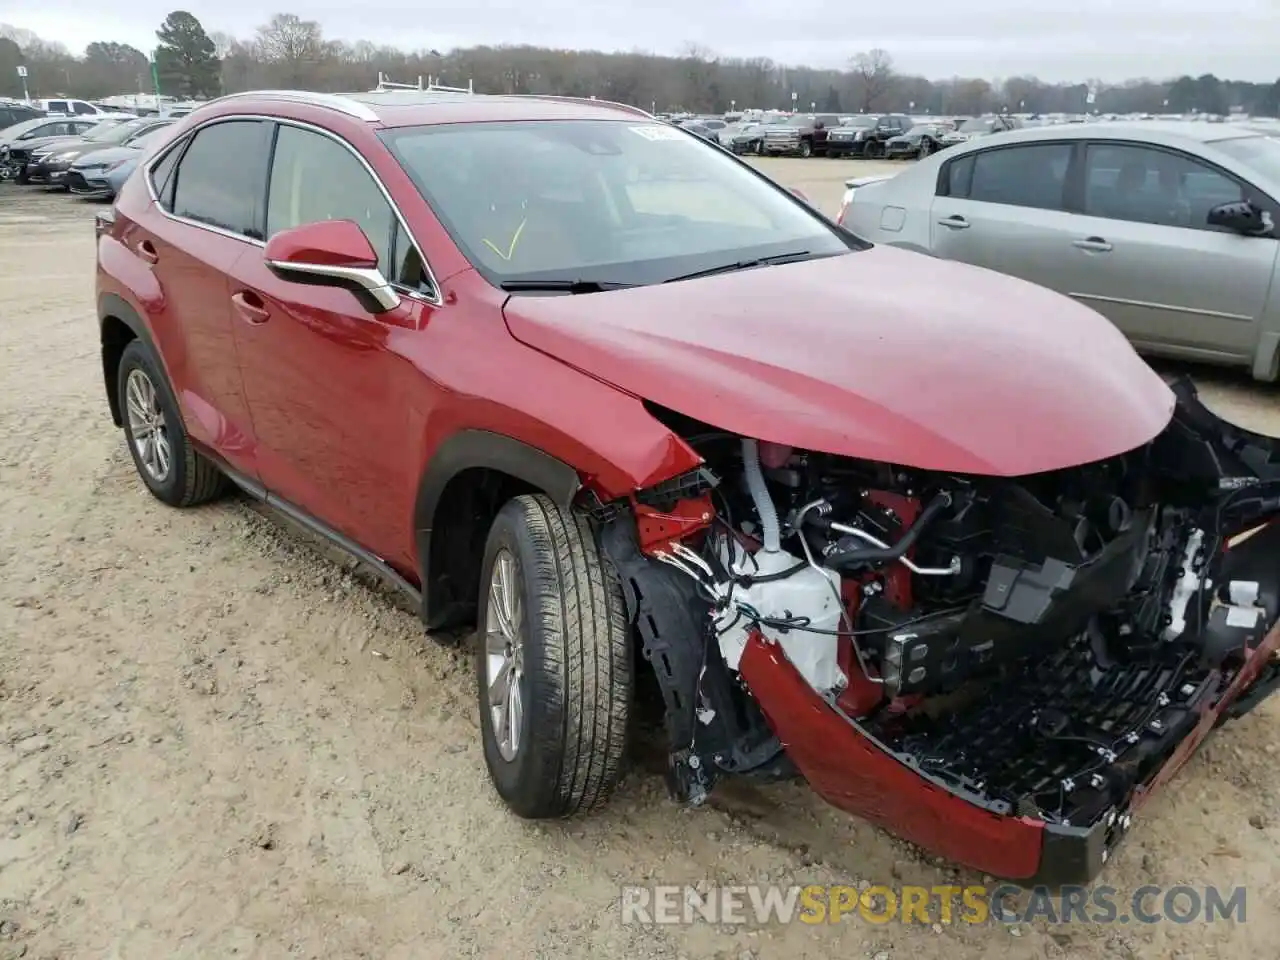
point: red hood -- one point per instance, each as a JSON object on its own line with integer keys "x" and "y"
{"x": 883, "y": 354}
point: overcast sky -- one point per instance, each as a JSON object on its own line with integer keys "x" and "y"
{"x": 1107, "y": 39}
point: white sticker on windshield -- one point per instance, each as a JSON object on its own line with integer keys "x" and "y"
{"x": 657, "y": 131}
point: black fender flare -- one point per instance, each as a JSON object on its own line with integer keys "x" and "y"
{"x": 467, "y": 450}
{"x": 117, "y": 307}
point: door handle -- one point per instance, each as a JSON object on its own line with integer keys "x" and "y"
{"x": 1094, "y": 244}
{"x": 250, "y": 307}
{"x": 147, "y": 252}
{"x": 955, "y": 222}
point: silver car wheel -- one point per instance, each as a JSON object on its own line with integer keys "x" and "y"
{"x": 504, "y": 654}
{"x": 147, "y": 427}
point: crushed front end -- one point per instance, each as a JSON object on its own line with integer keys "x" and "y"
{"x": 999, "y": 669}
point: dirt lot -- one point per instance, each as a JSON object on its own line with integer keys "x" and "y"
{"x": 215, "y": 741}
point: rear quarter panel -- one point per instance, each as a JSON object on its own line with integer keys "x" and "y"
{"x": 896, "y": 211}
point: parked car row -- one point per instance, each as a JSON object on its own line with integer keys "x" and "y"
{"x": 76, "y": 154}
{"x": 873, "y": 136}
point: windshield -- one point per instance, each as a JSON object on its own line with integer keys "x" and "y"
{"x": 117, "y": 132}
{"x": 98, "y": 132}
{"x": 1260, "y": 153}
{"x": 858, "y": 122}
{"x": 616, "y": 201}
{"x": 975, "y": 126}
{"x": 146, "y": 138}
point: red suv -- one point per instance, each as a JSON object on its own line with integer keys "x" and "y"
{"x": 603, "y": 390}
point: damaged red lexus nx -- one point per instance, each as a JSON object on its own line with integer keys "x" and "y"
{"x": 600, "y": 389}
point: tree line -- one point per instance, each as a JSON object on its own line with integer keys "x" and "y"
{"x": 291, "y": 52}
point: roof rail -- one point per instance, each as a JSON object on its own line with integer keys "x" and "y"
{"x": 329, "y": 101}
{"x": 432, "y": 85}
{"x": 604, "y": 103}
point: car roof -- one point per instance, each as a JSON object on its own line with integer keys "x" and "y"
{"x": 402, "y": 108}
{"x": 1171, "y": 133}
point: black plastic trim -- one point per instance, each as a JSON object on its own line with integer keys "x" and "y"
{"x": 471, "y": 449}
{"x": 299, "y": 516}
{"x": 1070, "y": 855}
{"x": 115, "y": 306}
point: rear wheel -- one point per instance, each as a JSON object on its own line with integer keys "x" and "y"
{"x": 162, "y": 453}
{"x": 554, "y": 664}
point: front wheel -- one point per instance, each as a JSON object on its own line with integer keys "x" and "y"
{"x": 806, "y": 149}
{"x": 173, "y": 470}
{"x": 554, "y": 664}
{"x": 926, "y": 148}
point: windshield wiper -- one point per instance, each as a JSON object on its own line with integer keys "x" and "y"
{"x": 794, "y": 257}
{"x": 562, "y": 286}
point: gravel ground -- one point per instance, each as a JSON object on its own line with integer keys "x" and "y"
{"x": 215, "y": 740}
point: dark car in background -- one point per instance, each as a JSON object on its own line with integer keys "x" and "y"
{"x": 707, "y": 128}
{"x": 866, "y": 134}
{"x": 15, "y": 111}
{"x": 745, "y": 137}
{"x": 804, "y": 135}
{"x": 100, "y": 174}
{"x": 17, "y": 140}
{"x": 975, "y": 127}
{"x": 49, "y": 163}
{"x": 920, "y": 141}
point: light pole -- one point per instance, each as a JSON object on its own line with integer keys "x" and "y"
{"x": 155, "y": 78}
{"x": 733, "y": 106}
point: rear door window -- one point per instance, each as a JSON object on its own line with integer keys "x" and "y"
{"x": 161, "y": 174}
{"x": 221, "y": 177}
{"x": 1025, "y": 176}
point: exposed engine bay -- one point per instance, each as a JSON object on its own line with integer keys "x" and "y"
{"x": 1039, "y": 645}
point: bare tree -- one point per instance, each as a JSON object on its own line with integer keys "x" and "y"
{"x": 222, "y": 42}
{"x": 292, "y": 45}
{"x": 873, "y": 78}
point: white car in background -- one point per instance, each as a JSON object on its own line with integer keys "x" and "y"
{"x": 71, "y": 107}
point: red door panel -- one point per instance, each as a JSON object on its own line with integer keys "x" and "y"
{"x": 333, "y": 404}
{"x": 193, "y": 329}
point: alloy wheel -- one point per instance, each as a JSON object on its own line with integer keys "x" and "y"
{"x": 147, "y": 427}
{"x": 504, "y": 654}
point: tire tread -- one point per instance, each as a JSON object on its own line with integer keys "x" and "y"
{"x": 579, "y": 598}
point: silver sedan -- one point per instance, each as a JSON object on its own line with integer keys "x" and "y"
{"x": 1167, "y": 229}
